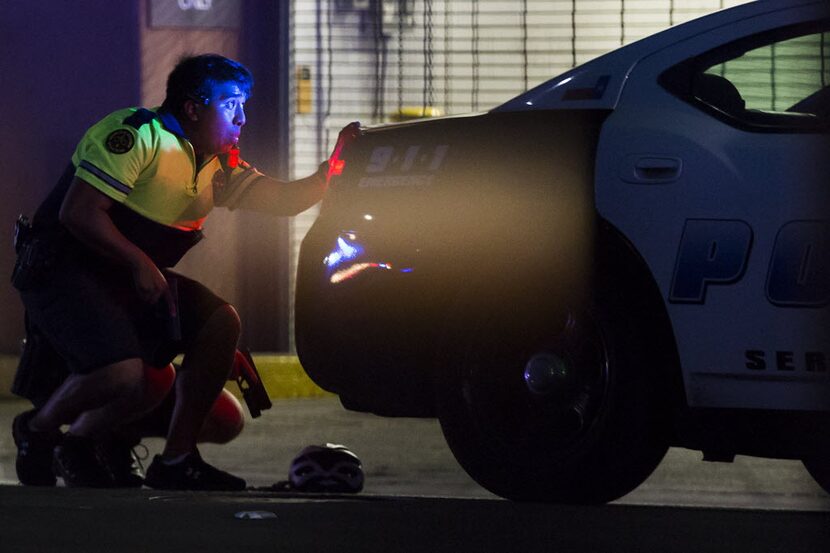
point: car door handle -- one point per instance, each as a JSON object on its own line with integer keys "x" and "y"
{"x": 646, "y": 169}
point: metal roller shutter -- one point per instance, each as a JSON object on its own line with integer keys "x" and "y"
{"x": 368, "y": 59}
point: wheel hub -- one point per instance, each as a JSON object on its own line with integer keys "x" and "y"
{"x": 547, "y": 373}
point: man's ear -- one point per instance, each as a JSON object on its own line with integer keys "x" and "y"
{"x": 192, "y": 109}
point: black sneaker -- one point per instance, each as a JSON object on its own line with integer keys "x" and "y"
{"x": 77, "y": 460}
{"x": 191, "y": 473}
{"x": 34, "y": 451}
{"x": 119, "y": 458}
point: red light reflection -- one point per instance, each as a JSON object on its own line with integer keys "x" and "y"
{"x": 347, "y": 135}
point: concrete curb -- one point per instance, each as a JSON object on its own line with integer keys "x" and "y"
{"x": 282, "y": 375}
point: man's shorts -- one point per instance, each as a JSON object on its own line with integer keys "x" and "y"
{"x": 90, "y": 313}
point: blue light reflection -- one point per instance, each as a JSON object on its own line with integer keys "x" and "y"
{"x": 343, "y": 261}
{"x": 344, "y": 251}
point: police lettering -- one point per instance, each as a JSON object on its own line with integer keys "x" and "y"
{"x": 711, "y": 252}
{"x": 786, "y": 361}
{"x": 798, "y": 270}
{"x": 716, "y": 252}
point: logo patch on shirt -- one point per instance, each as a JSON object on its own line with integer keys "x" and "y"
{"x": 120, "y": 141}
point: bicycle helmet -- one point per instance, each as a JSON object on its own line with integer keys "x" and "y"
{"x": 326, "y": 468}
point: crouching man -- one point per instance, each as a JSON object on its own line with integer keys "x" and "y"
{"x": 94, "y": 275}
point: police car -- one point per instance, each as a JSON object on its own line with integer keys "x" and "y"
{"x": 629, "y": 257}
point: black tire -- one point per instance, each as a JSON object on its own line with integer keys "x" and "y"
{"x": 590, "y": 439}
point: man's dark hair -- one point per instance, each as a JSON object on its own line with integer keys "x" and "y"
{"x": 194, "y": 78}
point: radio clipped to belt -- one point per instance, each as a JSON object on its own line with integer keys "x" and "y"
{"x": 36, "y": 254}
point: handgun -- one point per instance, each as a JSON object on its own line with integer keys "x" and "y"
{"x": 250, "y": 384}
{"x": 37, "y": 253}
{"x": 22, "y": 231}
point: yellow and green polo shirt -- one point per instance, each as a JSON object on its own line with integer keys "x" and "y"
{"x": 142, "y": 159}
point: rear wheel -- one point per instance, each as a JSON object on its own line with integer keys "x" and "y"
{"x": 563, "y": 408}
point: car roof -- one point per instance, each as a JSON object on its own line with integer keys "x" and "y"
{"x": 597, "y": 84}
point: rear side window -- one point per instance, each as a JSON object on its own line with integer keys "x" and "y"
{"x": 777, "y": 82}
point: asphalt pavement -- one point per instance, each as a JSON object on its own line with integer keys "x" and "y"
{"x": 416, "y": 498}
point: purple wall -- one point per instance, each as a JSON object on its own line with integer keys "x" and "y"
{"x": 63, "y": 66}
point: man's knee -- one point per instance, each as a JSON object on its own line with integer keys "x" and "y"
{"x": 212, "y": 351}
{"x": 225, "y": 420}
{"x": 158, "y": 383}
{"x": 224, "y": 323}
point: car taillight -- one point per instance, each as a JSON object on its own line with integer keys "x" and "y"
{"x": 347, "y": 135}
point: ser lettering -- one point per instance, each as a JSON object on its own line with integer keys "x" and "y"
{"x": 786, "y": 361}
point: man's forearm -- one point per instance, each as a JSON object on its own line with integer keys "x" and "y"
{"x": 268, "y": 195}
{"x": 85, "y": 215}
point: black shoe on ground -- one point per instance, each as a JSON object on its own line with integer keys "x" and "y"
{"x": 78, "y": 462}
{"x": 121, "y": 462}
{"x": 34, "y": 451}
{"x": 191, "y": 473}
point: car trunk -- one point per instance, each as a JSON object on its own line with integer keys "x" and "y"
{"x": 424, "y": 213}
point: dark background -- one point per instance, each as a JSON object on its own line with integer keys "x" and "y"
{"x": 64, "y": 65}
